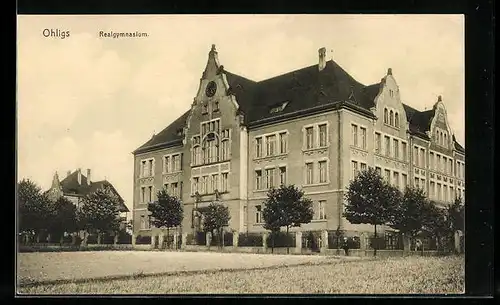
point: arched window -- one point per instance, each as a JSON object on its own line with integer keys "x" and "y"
{"x": 396, "y": 119}
{"x": 386, "y": 116}
{"x": 197, "y": 155}
{"x": 445, "y": 139}
{"x": 391, "y": 118}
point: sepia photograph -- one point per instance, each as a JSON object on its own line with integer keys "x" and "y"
{"x": 240, "y": 154}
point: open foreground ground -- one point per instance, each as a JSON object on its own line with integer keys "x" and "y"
{"x": 280, "y": 274}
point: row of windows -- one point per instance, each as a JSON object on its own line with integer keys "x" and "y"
{"x": 318, "y": 206}
{"x": 400, "y": 180}
{"x": 441, "y": 137}
{"x": 316, "y": 136}
{"x": 441, "y": 163}
{"x": 209, "y": 183}
{"x": 394, "y": 150}
{"x": 272, "y": 147}
{"x": 358, "y": 139}
{"x": 211, "y": 152}
{"x": 322, "y": 170}
{"x": 391, "y": 117}
{"x": 438, "y": 191}
{"x": 147, "y": 194}
{"x": 460, "y": 170}
{"x": 266, "y": 179}
{"x": 172, "y": 163}
{"x": 419, "y": 156}
{"x": 215, "y": 107}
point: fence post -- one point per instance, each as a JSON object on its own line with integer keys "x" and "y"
{"x": 176, "y": 237}
{"x": 184, "y": 240}
{"x": 236, "y": 235}
{"x": 324, "y": 240}
{"x": 134, "y": 237}
{"x": 115, "y": 239}
{"x": 298, "y": 242}
{"x": 362, "y": 241}
{"x": 153, "y": 241}
{"x": 208, "y": 239}
{"x": 264, "y": 241}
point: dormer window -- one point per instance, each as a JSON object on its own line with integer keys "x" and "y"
{"x": 278, "y": 108}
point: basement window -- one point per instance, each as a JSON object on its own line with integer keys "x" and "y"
{"x": 279, "y": 107}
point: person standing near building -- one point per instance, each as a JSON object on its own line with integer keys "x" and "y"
{"x": 345, "y": 246}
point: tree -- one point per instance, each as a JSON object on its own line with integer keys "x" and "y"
{"x": 166, "y": 212}
{"x": 287, "y": 207}
{"x": 99, "y": 212}
{"x": 408, "y": 217}
{"x": 371, "y": 200}
{"x": 33, "y": 208}
{"x": 63, "y": 218}
{"x": 456, "y": 212}
{"x": 436, "y": 222}
{"x": 216, "y": 218}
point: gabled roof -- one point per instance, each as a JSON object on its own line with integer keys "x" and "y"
{"x": 70, "y": 186}
{"x": 303, "y": 89}
{"x": 458, "y": 147}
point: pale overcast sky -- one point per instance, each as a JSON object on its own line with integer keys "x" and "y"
{"x": 88, "y": 102}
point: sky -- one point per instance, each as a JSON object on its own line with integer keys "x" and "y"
{"x": 87, "y": 101}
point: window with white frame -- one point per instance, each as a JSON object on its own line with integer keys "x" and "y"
{"x": 432, "y": 191}
{"x": 323, "y": 138}
{"x": 270, "y": 145}
{"x": 363, "y": 137}
{"x": 395, "y": 179}
{"x": 387, "y": 146}
{"x": 404, "y": 181}
{"x": 450, "y": 167}
{"x": 321, "y": 210}
{"x": 143, "y": 194}
{"x": 439, "y": 191}
{"x": 258, "y": 147}
{"x": 396, "y": 120}
{"x": 322, "y": 171}
{"x": 269, "y": 178}
{"x": 282, "y": 175}
{"x": 309, "y": 173}
{"x": 215, "y": 182}
{"x": 196, "y": 185}
{"x": 387, "y": 174}
{"x": 210, "y": 184}
{"x": 422, "y": 184}
{"x": 309, "y": 137}
{"x": 283, "y": 142}
{"x": 431, "y": 160}
{"x": 422, "y": 157}
{"x": 445, "y": 192}
{"x": 378, "y": 170}
{"x": 417, "y": 182}
{"x": 354, "y": 165}
{"x": 258, "y": 214}
{"x": 386, "y": 116}
{"x": 391, "y": 118}
{"x": 150, "y": 193}
{"x": 378, "y": 143}
{"x": 197, "y": 155}
{"x": 354, "y": 135}
{"x": 404, "y": 151}
{"x": 438, "y": 163}
{"x": 177, "y": 162}
{"x": 225, "y": 150}
{"x": 452, "y": 193}
{"x": 204, "y": 186}
{"x": 224, "y": 182}
{"x": 396, "y": 148}
{"x": 258, "y": 179}
{"x": 415, "y": 156}
{"x": 363, "y": 167}
{"x": 166, "y": 164}
{"x": 175, "y": 189}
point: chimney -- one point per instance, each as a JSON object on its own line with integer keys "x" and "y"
{"x": 389, "y": 71}
{"x": 79, "y": 176}
{"x": 68, "y": 173}
{"x": 322, "y": 59}
{"x": 88, "y": 176}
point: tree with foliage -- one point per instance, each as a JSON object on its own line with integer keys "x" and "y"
{"x": 100, "y": 213}
{"x": 63, "y": 218}
{"x": 408, "y": 216}
{"x": 436, "y": 222}
{"x": 371, "y": 200}
{"x": 456, "y": 212}
{"x": 33, "y": 208}
{"x": 287, "y": 207}
{"x": 166, "y": 212}
{"x": 216, "y": 218}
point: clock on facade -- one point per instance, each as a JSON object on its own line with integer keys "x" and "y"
{"x": 211, "y": 89}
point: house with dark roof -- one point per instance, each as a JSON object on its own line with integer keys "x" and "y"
{"x": 315, "y": 127}
{"x": 75, "y": 186}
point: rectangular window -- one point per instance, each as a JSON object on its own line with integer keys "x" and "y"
{"x": 431, "y": 160}
{"x": 396, "y": 179}
{"x": 258, "y": 179}
{"x": 283, "y": 175}
{"x": 177, "y": 163}
{"x": 309, "y": 173}
{"x": 363, "y": 137}
{"x": 438, "y": 164}
{"x": 439, "y": 191}
{"x": 450, "y": 167}
{"x": 457, "y": 169}
{"x": 354, "y": 136}
{"x": 167, "y": 164}
{"x": 204, "y": 186}
{"x": 196, "y": 182}
{"x": 354, "y": 169}
{"x": 445, "y": 192}
{"x": 224, "y": 150}
{"x": 387, "y": 175}
{"x": 405, "y": 153}
{"x": 396, "y": 148}
{"x": 270, "y": 145}
{"x": 143, "y": 194}
{"x": 378, "y": 143}
{"x": 363, "y": 167}
{"x": 258, "y": 147}
{"x": 387, "y": 146}
{"x": 378, "y": 170}
{"x": 223, "y": 187}
{"x": 209, "y": 184}
{"x": 422, "y": 158}
{"x": 309, "y": 138}
{"x": 321, "y": 209}
{"x": 422, "y": 184}
{"x": 322, "y": 135}
{"x": 404, "y": 181}
{"x": 417, "y": 180}
{"x": 151, "y": 171}
{"x": 214, "y": 181}
{"x": 258, "y": 214}
{"x": 452, "y": 193}
{"x": 432, "y": 190}
{"x": 283, "y": 143}
{"x": 150, "y": 194}
{"x": 269, "y": 178}
{"x": 144, "y": 172}
{"x": 175, "y": 189}
{"x": 322, "y": 171}
{"x": 415, "y": 156}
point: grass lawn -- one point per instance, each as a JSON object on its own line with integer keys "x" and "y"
{"x": 430, "y": 275}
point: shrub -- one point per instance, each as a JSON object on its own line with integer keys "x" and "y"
{"x": 250, "y": 240}
{"x": 92, "y": 239}
{"x": 143, "y": 240}
{"x": 201, "y": 238}
{"x": 281, "y": 240}
{"x": 124, "y": 238}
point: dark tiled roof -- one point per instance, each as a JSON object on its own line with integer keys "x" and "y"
{"x": 458, "y": 147}
{"x": 302, "y": 89}
{"x": 70, "y": 186}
